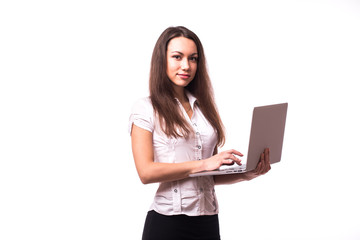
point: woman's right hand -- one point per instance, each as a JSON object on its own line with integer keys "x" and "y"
{"x": 224, "y": 158}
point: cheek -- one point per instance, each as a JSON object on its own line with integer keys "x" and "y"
{"x": 171, "y": 66}
{"x": 194, "y": 68}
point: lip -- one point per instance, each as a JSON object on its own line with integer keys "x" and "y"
{"x": 184, "y": 76}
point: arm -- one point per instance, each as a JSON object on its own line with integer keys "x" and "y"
{"x": 262, "y": 168}
{"x": 150, "y": 171}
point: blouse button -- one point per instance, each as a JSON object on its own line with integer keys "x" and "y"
{"x": 198, "y": 146}
{"x": 175, "y": 190}
{"x": 197, "y": 133}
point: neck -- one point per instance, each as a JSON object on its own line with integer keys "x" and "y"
{"x": 180, "y": 94}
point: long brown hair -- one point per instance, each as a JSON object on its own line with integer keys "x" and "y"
{"x": 162, "y": 94}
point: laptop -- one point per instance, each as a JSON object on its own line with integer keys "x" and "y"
{"x": 267, "y": 131}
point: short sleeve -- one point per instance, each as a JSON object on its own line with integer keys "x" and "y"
{"x": 142, "y": 115}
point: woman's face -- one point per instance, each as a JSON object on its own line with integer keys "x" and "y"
{"x": 182, "y": 60}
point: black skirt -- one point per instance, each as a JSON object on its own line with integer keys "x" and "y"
{"x": 180, "y": 227}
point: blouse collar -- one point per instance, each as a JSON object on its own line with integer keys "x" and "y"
{"x": 191, "y": 98}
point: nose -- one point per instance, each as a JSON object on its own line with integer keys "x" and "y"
{"x": 185, "y": 64}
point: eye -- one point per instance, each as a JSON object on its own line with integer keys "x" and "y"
{"x": 177, "y": 57}
{"x": 193, "y": 59}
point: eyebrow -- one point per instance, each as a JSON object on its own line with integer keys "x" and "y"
{"x": 183, "y": 54}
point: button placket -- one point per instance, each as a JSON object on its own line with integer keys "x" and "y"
{"x": 198, "y": 143}
{"x": 198, "y": 156}
{"x": 176, "y": 197}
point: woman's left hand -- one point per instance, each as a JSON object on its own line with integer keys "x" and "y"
{"x": 262, "y": 167}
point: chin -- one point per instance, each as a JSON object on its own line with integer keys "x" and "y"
{"x": 182, "y": 84}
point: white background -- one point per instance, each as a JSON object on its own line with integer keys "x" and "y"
{"x": 71, "y": 70}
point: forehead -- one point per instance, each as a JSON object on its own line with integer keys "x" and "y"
{"x": 183, "y": 45}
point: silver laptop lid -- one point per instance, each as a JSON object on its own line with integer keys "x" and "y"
{"x": 267, "y": 131}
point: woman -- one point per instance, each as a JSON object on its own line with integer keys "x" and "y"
{"x": 175, "y": 132}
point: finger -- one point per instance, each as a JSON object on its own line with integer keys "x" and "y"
{"x": 233, "y": 158}
{"x": 265, "y": 169}
{"x": 227, "y": 162}
{"x": 259, "y": 167}
{"x": 262, "y": 164}
{"x": 233, "y": 151}
{"x": 267, "y": 155}
{"x": 267, "y": 159}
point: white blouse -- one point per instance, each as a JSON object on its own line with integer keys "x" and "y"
{"x": 189, "y": 196}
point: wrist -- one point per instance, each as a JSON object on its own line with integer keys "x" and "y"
{"x": 249, "y": 176}
{"x": 199, "y": 166}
